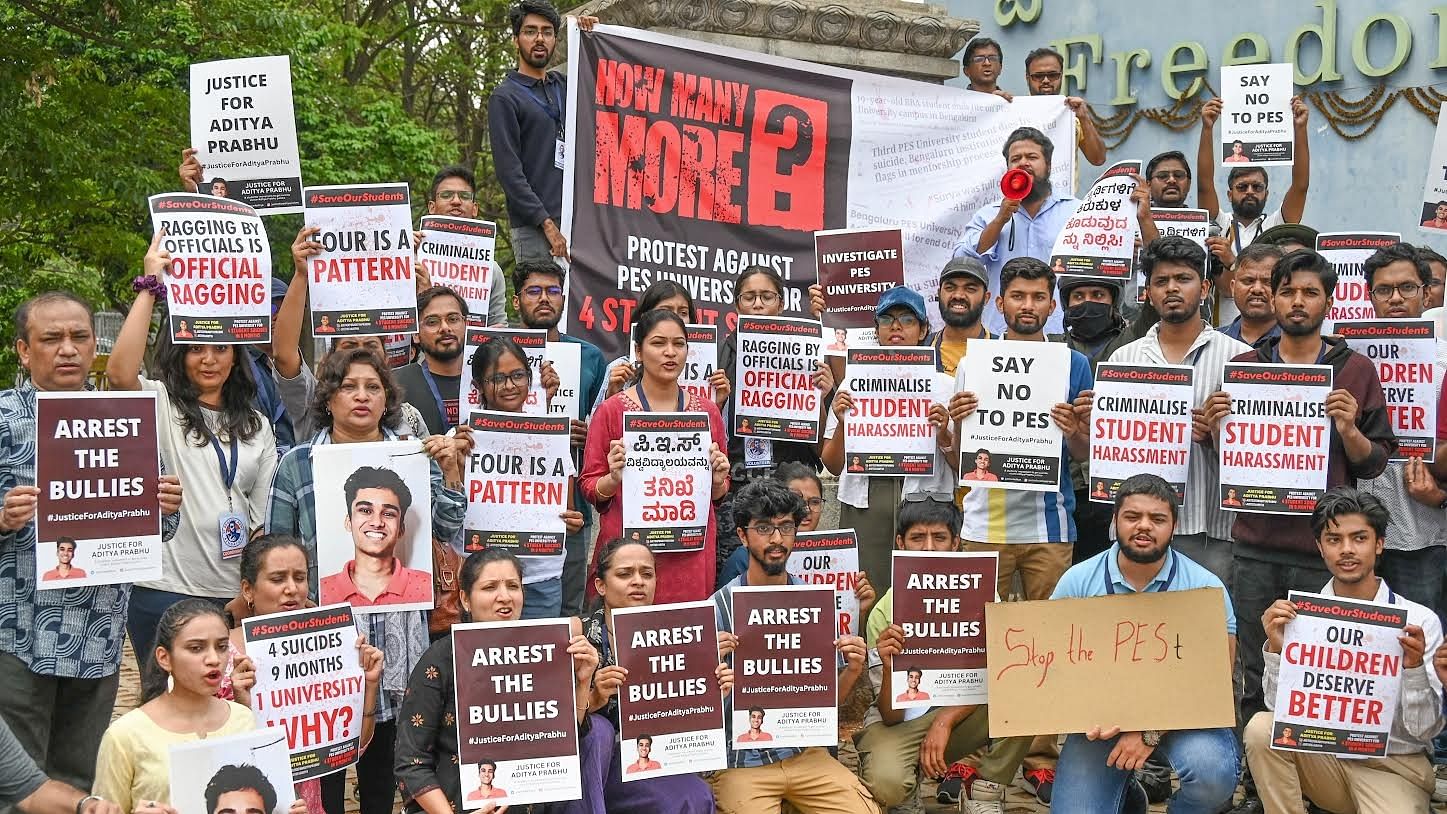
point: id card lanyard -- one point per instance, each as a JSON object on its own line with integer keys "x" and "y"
{"x": 230, "y": 524}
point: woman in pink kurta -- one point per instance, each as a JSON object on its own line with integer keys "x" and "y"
{"x": 661, "y": 349}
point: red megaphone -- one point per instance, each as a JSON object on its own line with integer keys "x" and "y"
{"x": 1017, "y": 184}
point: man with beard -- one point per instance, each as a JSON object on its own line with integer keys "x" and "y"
{"x": 981, "y": 63}
{"x": 525, "y": 127}
{"x": 454, "y": 194}
{"x": 1274, "y": 553}
{"x": 1095, "y": 766}
{"x": 1169, "y": 176}
{"x": 1437, "y": 264}
{"x": 1250, "y": 282}
{"x": 538, "y": 294}
{"x": 766, "y": 517}
{"x": 1045, "y": 74}
{"x": 1415, "y": 557}
{"x": 1349, "y": 527}
{"x": 1247, "y": 188}
{"x": 1027, "y": 228}
{"x": 1031, "y": 532}
{"x": 964, "y": 290}
{"x": 433, "y": 383}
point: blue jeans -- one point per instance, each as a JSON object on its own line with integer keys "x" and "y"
{"x": 144, "y": 613}
{"x": 1206, "y": 760}
{"x": 543, "y": 600}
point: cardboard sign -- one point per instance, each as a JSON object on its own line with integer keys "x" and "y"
{"x": 1163, "y": 656}
{"x": 458, "y": 253}
{"x": 670, "y": 713}
{"x": 374, "y": 510}
{"x": 666, "y": 480}
{"x": 1434, "y": 190}
{"x": 887, "y": 432}
{"x": 1010, "y": 441}
{"x": 218, "y": 286}
{"x": 1341, "y": 673}
{"x": 97, "y": 465}
{"x": 785, "y": 677}
{"x": 517, "y": 737}
{"x": 830, "y": 558}
{"x": 1276, "y": 441}
{"x": 567, "y": 361}
{"x": 939, "y": 600}
{"x": 1256, "y": 119}
{"x": 517, "y": 483}
{"x": 775, "y": 396}
{"x": 362, "y": 283}
{"x": 309, "y": 682}
{"x": 1348, "y": 252}
{"x": 1405, "y": 353}
{"x": 1099, "y": 238}
{"x": 702, "y": 361}
{"x": 534, "y": 343}
{"x": 244, "y": 132}
{"x": 1140, "y": 421}
{"x": 855, "y": 267}
{"x": 196, "y": 764}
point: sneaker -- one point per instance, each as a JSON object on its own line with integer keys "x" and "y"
{"x": 1042, "y": 782}
{"x": 956, "y": 783}
{"x": 1250, "y": 804}
{"x": 1156, "y": 784}
{"x": 1439, "y": 794}
{"x": 984, "y": 797}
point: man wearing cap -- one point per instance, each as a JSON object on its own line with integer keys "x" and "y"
{"x": 963, "y": 294}
{"x": 1026, "y": 228}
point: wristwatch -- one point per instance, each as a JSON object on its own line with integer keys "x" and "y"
{"x": 1151, "y": 738}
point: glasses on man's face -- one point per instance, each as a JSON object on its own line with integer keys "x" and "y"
{"x": 759, "y": 297}
{"x": 1250, "y": 186}
{"x": 455, "y": 195}
{"x": 536, "y": 291}
{"x": 1046, "y": 76}
{"x": 985, "y": 59}
{"x": 532, "y": 32}
{"x": 770, "y": 529}
{"x": 517, "y": 378}
{"x": 897, "y": 321}
{"x": 1171, "y": 175}
{"x": 435, "y": 321}
{"x": 1407, "y": 290}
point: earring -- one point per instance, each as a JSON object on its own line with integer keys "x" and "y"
{"x": 170, "y": 683}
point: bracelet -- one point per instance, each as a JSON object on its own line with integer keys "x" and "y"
{"x": 369, "y": 715}
{"x": 146, "y": 282}
{"x": 89, "y": 798}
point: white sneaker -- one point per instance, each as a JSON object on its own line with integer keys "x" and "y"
{"x": 1439, "y": 793}
{"x": 984, "y": 797}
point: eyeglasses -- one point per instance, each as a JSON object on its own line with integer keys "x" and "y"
{"x": 517, "y": 378}
{"x": 533, "y": 32}
{"x": 1250, "y": 186}
{"x": 761, "y": 297}
{"x": 1407, "y": 290}
{"x": 536, "y": 291}
{"x": 897, "y": 321}
{"x": 813, "y": 504}
{"x": 769, "y": 529}
{"x": 435, "y": 321}
{"x": 455, "y": 194}
{"x": 921, "y": 497}
{"x": 985, "y": 59}
{"x": 1177, "y": 175}
{"x": 1049, "y": 76}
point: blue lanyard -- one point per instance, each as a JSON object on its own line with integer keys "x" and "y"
{"x": 546, "y": 103}
{"x": 228, "y": 469}
{"x": 1165, "y": 586}
{"x": 643, "y": 399}
{"x": 437, "y": 396}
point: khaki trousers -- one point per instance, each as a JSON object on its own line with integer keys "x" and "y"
{"x": 1395, "y": 784}
{"x": 889, "y": 755}
{"x": 812, "y": 781}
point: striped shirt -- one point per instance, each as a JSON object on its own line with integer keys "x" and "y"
{"x": 1015, "y": 516}
{"x": 1201, "y": 513}
{"x": 1414, "y": 526}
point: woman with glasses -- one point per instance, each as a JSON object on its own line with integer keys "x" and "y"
{"x": 501, "y": 373}
{"x": 661, "y": 347}
{"x": 869, "y": 504}
{"x": 623, "y": 371}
